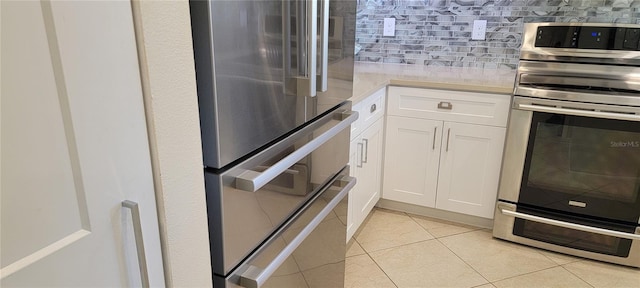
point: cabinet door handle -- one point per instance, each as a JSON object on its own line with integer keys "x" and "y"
{"x": 359, "y": 164}
{"x": 366, "y": 147}
{"x": 445, "y": 105}
{"x": 435, "y": 131}
{"x": 448, "y": 136}
{"x": 137, "y": 231}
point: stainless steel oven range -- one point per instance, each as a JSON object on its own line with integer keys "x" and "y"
{"x": 570, "y": 179}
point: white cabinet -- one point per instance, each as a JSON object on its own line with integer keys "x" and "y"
{"x": 469, "y": 168}
{"x": 411, "y": 162}
{"x": 366, "y": 159}
{"x": 444, "y": 148}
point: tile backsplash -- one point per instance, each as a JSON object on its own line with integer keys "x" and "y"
{"x": 438, "y": 32}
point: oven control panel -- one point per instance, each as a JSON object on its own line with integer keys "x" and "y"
{"x": 588, "y": 37}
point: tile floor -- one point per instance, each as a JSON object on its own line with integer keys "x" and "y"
{"x": 396, "y": 249}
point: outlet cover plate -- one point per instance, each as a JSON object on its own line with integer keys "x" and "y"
{"x": 389, "y": 28}
{"x": 479, "y": 30}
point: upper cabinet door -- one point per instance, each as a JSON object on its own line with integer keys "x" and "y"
{"x": 412, "y": 152}
{"x": 470, "y": 168}
{"x": 74, "y": 147}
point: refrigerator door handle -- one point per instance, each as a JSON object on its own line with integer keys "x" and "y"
{"x": 252, "y": 181}
{"x": 323, "y": 27}
{"x": 307, "y": 47}
{"x": 255, "y": 277}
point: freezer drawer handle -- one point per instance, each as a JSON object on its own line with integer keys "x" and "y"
{"x": 255, "y": 277}
{"x": 571, "y": 225}
{"x": 252, "y": 181}
{"x": 137, "y": 231}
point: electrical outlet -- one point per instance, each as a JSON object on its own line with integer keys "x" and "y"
{"x": 479, "y": 30}
{"x": 389, "y": 28}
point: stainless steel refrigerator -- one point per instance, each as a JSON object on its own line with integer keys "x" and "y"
{"x": 273, "y": 82}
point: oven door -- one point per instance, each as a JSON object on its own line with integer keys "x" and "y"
{"x": 579, "y": 158}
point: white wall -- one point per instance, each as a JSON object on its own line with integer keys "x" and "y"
{"x": 163, "y": 31}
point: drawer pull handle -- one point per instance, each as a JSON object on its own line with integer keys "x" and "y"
{"x": 448, "y": 137}
{"x": 252, "y": 181}
{"x": 366, "y": 148}
{"x": 373, "y": 108}
{"x": 361, "y": 146}
{"x": 445, "y": 105}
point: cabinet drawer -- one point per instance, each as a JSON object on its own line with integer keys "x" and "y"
{"x": 370, "y": 109}
{"x": 466, "y": 107}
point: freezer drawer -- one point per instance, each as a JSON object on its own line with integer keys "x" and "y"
{"x": 249, "y": 202}
{"x": 309, "y": 251}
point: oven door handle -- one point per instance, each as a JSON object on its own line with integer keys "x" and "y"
{"x": 255, "y": 277}
{"x": 252, "y": 181}
{"x": 569, "y": 225}
{"x": 578, "y": 112}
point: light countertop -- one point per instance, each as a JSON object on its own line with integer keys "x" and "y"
{"x": 369, "y": 77}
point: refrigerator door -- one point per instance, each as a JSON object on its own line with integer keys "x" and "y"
{"x": 251, "y": 200}
{"x": 258, "y": 70}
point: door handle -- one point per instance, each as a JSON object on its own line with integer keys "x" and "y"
{"x": 137, "y": 232}
{"x": 323, "y": 27}
{"x": 569, "y": 225}
{"x": 448, "y": 136}
{"x": 307, "y": 42}
{"x": 366, "y": 148}
{"x": 255, "y": 277}
{"x": 578, "y": 112}
{"x": 435, "y": 132}
{"x": 359, "y": 164}
{"x": 252, "y": 181}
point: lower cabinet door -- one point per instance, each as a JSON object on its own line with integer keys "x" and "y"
{"x": 412, "y": 152}
{"x": 470, "y": 168}
{"x": 366, "y": 165}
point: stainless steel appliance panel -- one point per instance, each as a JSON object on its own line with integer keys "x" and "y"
{"x": 570, "y": 180}
{"x": 529, "y": 51}
{"x": 605, "y": 84}
{"x": 250, "y": 201}
{"x": 248, "y": 57}
{"x": 309, "y": 247}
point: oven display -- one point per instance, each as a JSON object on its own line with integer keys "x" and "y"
{"x": 588, "y": 37}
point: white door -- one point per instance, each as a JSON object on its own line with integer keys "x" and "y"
{"x": 412, "y": 151}
{"x": 470, "y": 168}
{"x": 73, "y": 147}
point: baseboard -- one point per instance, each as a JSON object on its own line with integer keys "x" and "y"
{"x": 436, "y": 213}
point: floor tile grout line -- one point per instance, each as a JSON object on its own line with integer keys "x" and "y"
{"x": 385, "y": 272}
{"x": 465, "y": 262}
{"x": 574, "y": 274}
{"x": 398, "y": 246}
{"x": 374, "y": 261}
{"x": 532, "y": 273}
